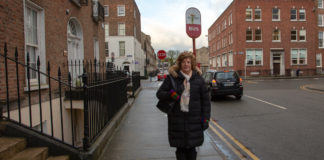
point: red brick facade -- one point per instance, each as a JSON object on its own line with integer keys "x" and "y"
{"x": 57, "y": 14}
{"x": 132, "y": 18}
{"x": 219, "y": 41}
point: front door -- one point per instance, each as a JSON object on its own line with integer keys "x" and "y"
{"x": 276, "y": 68}
{"x": 276, "y": 60}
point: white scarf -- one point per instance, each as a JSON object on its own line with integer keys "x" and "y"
{"x": 185, "y": 96}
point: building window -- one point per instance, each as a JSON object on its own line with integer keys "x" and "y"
{"x": 298, "y": 56}
{"x": 121, "y": 48}
{"x": 275, "y": 14}
{"x": 230, "y": 38}
{"x": 121, "y": 10}
{"x": 293, "y": 14}
{"x": 320, "y": 3}
{"x": 319, "y": 60}
{"x": 34, "y": 38}
{"x": 134, "y": 30}
{"x": 254, "y": 57}
{"x": 258, "y": 35}
{"x": 249, "y": 35}
{"x": 107, "y": 49}
{"x": 320, "y": 39}
{"x": 230, "y": 59}
{"x": 121, "y": 29}
{"x": 276, "y": 35}
{"x": 106, "y": 10}
{"x": 230, "y": 19}
{"x": 320, "y": 20}
{"x": 302, "y": 35}
{"x": 224, "y": 60}
{"x": 248, "y": 14}
{"x": 302, "y": 14}
{"x": 257, "y": 15}
{"x": 214, "y": 62}
{"x": 218, "y": 61}
{"x": 106, "y": 31}
{"x": 293, "y": 35}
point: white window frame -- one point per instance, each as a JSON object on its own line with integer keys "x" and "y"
{"x": 121, "y": 10}
{"x": 106, "y": 31}
{"x": 300, "y": 11}
{"x": 255, "y": 10}
{"x": 319, "y": 57}
{"x": 295, "y": 14}
{"x": 121, "y": 30}
{"x": 320, "y": 4}
{"x": 246, "y": 14}
{"x": 122, "y": 50}
{"x": 279, "y": 36}
{"x": 321, "y": 38}
{"x": 214, "y": 62}
{"x": 224, "y": 60}
{"x": 230, "y": 19}
{"x": 301, "y": 34}
{"x": 255, "y": 35}
{"x": 246, "y": 35}
{"x": 295, "y": 40}
{"x": 320, "y": 18}
{"x": 253, "y": 51}
{"x": 40, "y": 50}
{"x": 230, "y": 59}
{"x": 273, "y": 14}
{"x": 298, "y": 56}
{"x": 219, "y": 61}
{"x": 106, "y": 8}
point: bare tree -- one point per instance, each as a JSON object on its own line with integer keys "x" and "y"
{"x": 172, "y": 56}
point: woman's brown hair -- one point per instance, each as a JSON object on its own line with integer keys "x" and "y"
{"x": 185, "y": 55}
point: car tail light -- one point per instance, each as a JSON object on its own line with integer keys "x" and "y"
{"x": 214, "y": 83}
{"x": 241, "y": 80}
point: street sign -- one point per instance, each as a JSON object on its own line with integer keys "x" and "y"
{"x": 161, "y": 54}
{"x": 193, "y": 22}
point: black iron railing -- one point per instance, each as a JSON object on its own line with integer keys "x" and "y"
{"x": 47, "y": 103}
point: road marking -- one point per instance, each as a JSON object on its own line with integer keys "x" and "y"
{"x": 304, "y": 87}
{"x": 278, "y": 106}
{"x": 247, "y": 151}
{"x": 227, "y": 143}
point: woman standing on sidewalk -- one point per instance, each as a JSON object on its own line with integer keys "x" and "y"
{"x": 187, "y": 103}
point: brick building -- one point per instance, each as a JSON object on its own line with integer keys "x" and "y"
{"x": 203, "y": 58}
{"x": 56, "y": 32}
{"x": 267, "y": 38}
{"x": 319, "y": 11}
{"x": 123, "y": 35}
{"x": 150, "y": 55}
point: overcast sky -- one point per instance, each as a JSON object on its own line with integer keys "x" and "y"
{"x": 164, "y": 21}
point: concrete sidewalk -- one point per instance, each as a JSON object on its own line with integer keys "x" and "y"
{"x": 143, "y": 135}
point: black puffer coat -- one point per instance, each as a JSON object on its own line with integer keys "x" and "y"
{"x": 185, "y": 129}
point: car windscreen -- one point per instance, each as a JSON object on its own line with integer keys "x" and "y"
{"x": 226, "y": 75}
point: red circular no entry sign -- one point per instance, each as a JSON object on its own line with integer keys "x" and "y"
{"x": 161, "y": 54}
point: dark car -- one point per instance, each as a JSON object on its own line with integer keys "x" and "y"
{"x": 222, "y": 83}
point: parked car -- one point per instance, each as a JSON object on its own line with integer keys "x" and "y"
{"x": 162, "y": 76}
{"x": 222, "y": 83}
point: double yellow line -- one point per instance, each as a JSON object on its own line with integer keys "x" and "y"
{"x": 230, "y": 137}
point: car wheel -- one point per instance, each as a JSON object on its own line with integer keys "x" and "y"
{"x": 238, "y": 97}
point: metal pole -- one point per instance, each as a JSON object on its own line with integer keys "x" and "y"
{"x": 194, "y": 49}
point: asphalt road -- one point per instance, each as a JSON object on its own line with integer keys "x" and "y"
{"x": 274, "y": 120}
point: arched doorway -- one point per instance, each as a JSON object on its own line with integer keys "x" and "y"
{"x": 75, "y": 49}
